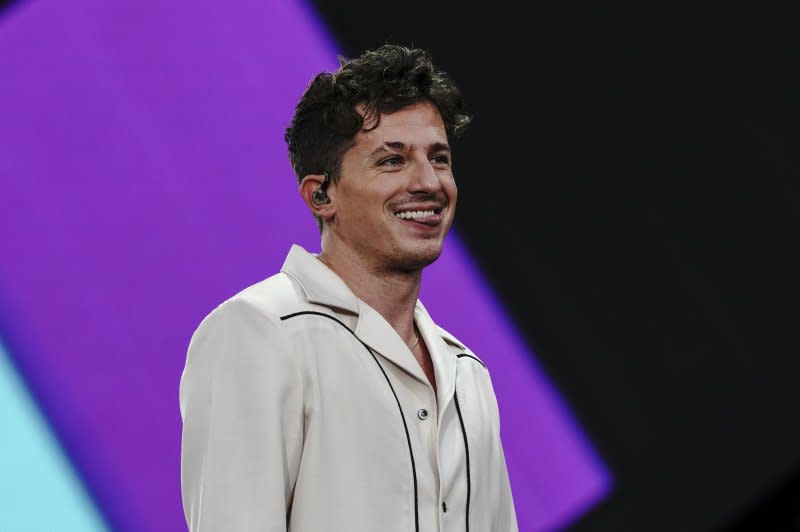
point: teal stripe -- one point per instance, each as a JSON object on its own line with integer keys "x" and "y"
{"x": 39, "y": 490}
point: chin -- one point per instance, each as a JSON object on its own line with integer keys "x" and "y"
{"x": 414, "y": 260}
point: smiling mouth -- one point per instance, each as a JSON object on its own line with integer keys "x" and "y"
{"x": 426, "y": 217}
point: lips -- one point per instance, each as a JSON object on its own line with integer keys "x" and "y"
{"x": 429, "y": 218}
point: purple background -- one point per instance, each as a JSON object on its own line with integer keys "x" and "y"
{"x": 144, "y": 179}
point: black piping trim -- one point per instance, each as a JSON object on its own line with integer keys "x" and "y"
{"x": 466, "y": 450}
{"x": 473, "y": 358}
{"x": 402, "y": 416}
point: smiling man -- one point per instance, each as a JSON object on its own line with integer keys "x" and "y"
{"x": 325, "y": 398}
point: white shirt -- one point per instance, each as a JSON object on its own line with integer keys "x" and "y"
{"x": 304, "y": 411}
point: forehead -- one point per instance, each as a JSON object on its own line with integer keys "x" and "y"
{"x": 418, "y": 125}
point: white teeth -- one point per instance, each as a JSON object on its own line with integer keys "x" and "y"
{"x": 413, "y": 215}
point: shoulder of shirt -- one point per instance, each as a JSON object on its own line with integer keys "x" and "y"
{"x": 272, "y": 298}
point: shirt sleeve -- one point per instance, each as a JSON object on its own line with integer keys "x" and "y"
{"x": 241, "y": 402}
{"x": 508, "y": 514}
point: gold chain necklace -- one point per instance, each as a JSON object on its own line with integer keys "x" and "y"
{"x": 416, "y": 341}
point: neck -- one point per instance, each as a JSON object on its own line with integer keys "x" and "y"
{"x": 392, "y": 294}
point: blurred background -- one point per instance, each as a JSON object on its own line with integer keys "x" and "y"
{"x": 622, "y": 256}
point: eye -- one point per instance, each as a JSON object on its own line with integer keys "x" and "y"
{"x": 441, "y": 159}
{"x": 394, "y": 160}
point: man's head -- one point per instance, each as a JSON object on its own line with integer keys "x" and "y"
{"x": 369, "y": 142}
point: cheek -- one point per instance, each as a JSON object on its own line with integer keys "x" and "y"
{"x": 451, "y": 190}
{"x": 364, "y": 207}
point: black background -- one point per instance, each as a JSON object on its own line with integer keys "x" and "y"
{"x": 629, "y": 184}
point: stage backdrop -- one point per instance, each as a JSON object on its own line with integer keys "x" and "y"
{"x": 144, "y": 179}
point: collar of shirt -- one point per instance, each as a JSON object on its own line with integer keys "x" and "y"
{"x": 323, "y": 287}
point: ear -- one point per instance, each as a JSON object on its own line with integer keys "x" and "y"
{"x": 311, "y": 183}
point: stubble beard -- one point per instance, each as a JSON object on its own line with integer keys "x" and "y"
{"x": 395, "y": 258}
{"x": 404, "y": 262}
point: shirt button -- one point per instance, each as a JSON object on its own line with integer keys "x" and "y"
{"x": 422, "y": 414}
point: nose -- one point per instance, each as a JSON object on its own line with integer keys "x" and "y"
{"x": 425, "y": 178}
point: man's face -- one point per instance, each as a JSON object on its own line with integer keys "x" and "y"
{"x": 396, "y": 197}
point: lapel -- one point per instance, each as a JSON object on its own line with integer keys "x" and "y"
{"x": 442, "y": 355}
{"x": 323, "y": 287}
{"x": 376, "y": 332}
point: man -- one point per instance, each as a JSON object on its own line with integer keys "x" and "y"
{"x": 325, "y": 398}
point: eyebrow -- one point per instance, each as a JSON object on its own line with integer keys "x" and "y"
{"x": 391, "y": 146}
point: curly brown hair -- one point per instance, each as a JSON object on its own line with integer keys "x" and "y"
{"x": 379, "y": 81}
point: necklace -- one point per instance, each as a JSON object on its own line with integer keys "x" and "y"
{"x": 416, "y": 341}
